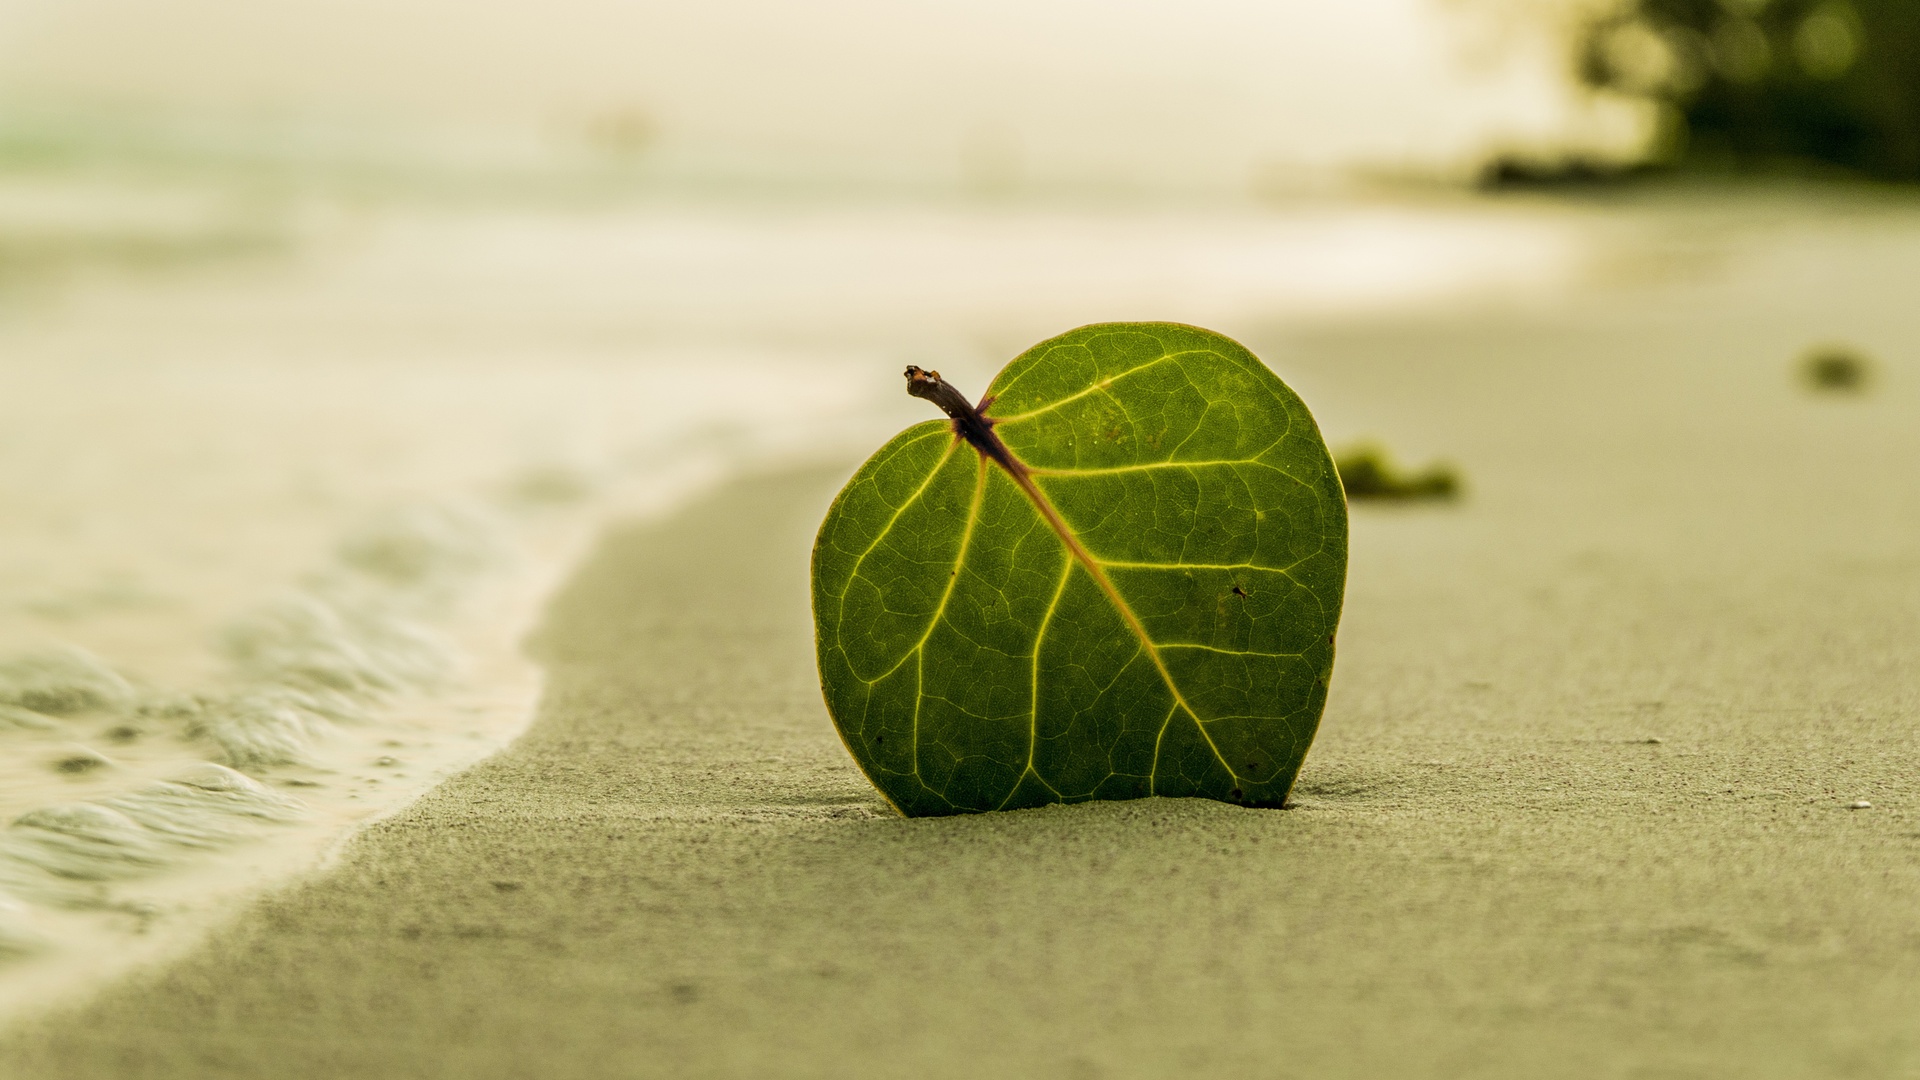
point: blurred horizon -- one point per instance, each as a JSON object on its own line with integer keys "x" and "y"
{"x": 991, "y": 100}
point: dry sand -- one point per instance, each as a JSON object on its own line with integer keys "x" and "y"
{"x": 1579, "y": 806}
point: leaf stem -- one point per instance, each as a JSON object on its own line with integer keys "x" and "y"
{"x": 968, "y": 423}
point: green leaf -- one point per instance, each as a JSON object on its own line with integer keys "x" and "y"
{"x": 1126, "y": 584}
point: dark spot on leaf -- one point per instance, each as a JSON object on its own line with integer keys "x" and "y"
{"x": 1238, "y": 591}
{"x": 1236, "y": 793}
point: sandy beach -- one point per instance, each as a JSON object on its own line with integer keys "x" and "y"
{"x": 416, "y": 419}
{"x": 1617, "y": 779}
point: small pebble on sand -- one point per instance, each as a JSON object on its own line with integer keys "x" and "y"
{"x": 1859, "y": 804}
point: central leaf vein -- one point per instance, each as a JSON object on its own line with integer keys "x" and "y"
{"x": 1022, "y": 477}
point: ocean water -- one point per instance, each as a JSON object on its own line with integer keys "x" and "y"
{"x": 276, "y": 523}
{"x": 286, "y": 487}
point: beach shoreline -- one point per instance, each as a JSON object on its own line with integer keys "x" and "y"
{"x": 1616, "y": 776}
{"x": 678, "y": 872}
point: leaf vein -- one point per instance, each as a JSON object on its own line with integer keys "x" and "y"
{"x": 1096, "y": 388}
{"x": 1033, "y": 689}
{"x": 920, "y": 647}
{"x": 887, "y": 529}
{"x": 1228, "y": 652}
{"x": 940, "y": 610}
{"x": 1119, "y": 602}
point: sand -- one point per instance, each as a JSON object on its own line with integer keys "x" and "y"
{"x": 1581, "y": 803}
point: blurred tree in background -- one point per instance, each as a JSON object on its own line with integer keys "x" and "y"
{"x": 1766, "y": 83}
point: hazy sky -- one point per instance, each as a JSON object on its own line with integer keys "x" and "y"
{"x": 1155, "y": 91}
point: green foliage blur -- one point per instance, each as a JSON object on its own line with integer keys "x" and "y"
{"x": 1770, "y": 84}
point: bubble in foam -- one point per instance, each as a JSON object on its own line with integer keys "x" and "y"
{"x": 222, "y": 807}
{"x": 413, "y": 546}
{"x": 25, "y": 881}
{"x": 83, "y": 841}
{"x": 208, "y": 776}
{"x": 19, "y": 719}
{"x": 333, "y": 643}
{"x": 59, "y": 681}
{"x": 261, "y": 729}
{"x": 205, "y": 806}
{"x": 78, "y": 760}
